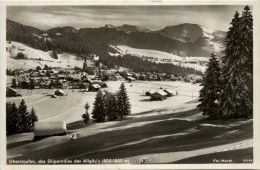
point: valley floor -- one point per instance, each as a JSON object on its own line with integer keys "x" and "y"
{"x": 170, "y": 131}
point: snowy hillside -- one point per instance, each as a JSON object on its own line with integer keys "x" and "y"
{"x": 212, "y": 40}
{"x": 33, "y": 55}
{"x": 198, "y": 63}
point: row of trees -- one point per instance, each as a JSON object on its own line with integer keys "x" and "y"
{"x": 110, "y": 106}
{"x": 228, "y": 92}
{"x": 18, "y": 119}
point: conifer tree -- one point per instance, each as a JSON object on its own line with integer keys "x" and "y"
{"x": 11, "y": 118}
{"x": 111, "y": 106}
{"x": 235, "y": 100}
{"x": 209, "y": 94}
{"x": 247, "y": 36}
{"x": 99, "y": 112}
{"x": 34, "y": 116}
{"x": 24, "y": 120}
{"x": 124, "y": 106}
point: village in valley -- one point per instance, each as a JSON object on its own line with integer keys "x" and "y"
{"x": 91, "y": 77}
{"x": 137, "y": 103}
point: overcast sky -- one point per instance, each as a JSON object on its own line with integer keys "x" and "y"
{"x": 151, "y": 17}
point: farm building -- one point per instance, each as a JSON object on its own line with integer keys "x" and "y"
{"x": 83, "y": 85}
{"x": 10, "y": 92}
{"x": 59, "y": 92}
{"x": 198, "y": 80}
{"x": 49, "y": 128}
{"x": 59, "y": 84}
{"x": 103, "y": 85}
{"x": 149, "y": 93}
{"x": 119, "y": 78}
{"x": 130, "y": 79}
{"x": 94, "y": 87}
{"x": 160, "y": 95}
{"x": 169, "y": 92}
{"x": 174, "y": 78}
{"x": 73, "y": 85}
{"x": 180, "y": 78}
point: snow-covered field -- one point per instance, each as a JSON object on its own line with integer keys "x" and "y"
{"x": 158, "y": 131}
{"x": 64, "y": 60}
{"x": 71, "y": 107}
{"x": 189, "y": 62}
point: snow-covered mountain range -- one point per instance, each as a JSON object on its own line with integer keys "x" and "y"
{"x": 184, "y": 40}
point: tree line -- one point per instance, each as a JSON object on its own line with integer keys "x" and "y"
{"x": 110, "y": 106}
{"x": 228, "y": 92}
{"x": 18, "y": 119}
{"x": 139, "y": 65}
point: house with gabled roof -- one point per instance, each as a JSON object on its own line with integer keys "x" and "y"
{"x": 159, "y": 95}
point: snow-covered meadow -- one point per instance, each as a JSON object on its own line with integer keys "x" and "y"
{"x": 64, "y": 60}
{"x": 70, "y": 108}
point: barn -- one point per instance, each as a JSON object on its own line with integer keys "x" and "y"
{"x": 59, "y": 92}
{"x": 130, "y": 79}
{"x": 149, "y": 93}
{"x": 49, "y": 128}
{"x": 160, "y": 95}
{"x": 169, "y": 92}
{"x": 94, "y": 87}
{"x": 103, "y": 85}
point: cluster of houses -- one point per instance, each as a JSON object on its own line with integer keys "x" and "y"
{"x": 161, "y": 94}
{"x": 56, "y": 78}
{"x": 59, "y": 78}
{"x": 148, "y": 76}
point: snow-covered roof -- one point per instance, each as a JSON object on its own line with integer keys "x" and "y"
{"x": 60, "y": 91}
{"x": 131, "y": 78}
{"x": 168, "y": 91}
{"x": 161, "y": 93}
{"x": 150, "y": 91}
{"x": 95, "y": 85}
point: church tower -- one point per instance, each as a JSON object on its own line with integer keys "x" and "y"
{"x": 85, "y": 64}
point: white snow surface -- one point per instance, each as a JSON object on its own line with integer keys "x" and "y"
{"x": 45, "y": 34}
{"x": 189, "y": 62}
{"x": 64, "y": 60}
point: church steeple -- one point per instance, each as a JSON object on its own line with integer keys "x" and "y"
{"x": 85, "y": 64}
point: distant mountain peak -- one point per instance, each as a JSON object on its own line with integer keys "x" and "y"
{"x": 208, "y": 39}
{"x": 110, "y": 26}
{"x": 132, "y": 28}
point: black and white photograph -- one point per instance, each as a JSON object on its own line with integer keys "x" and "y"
{"x": 128, "y": 84}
